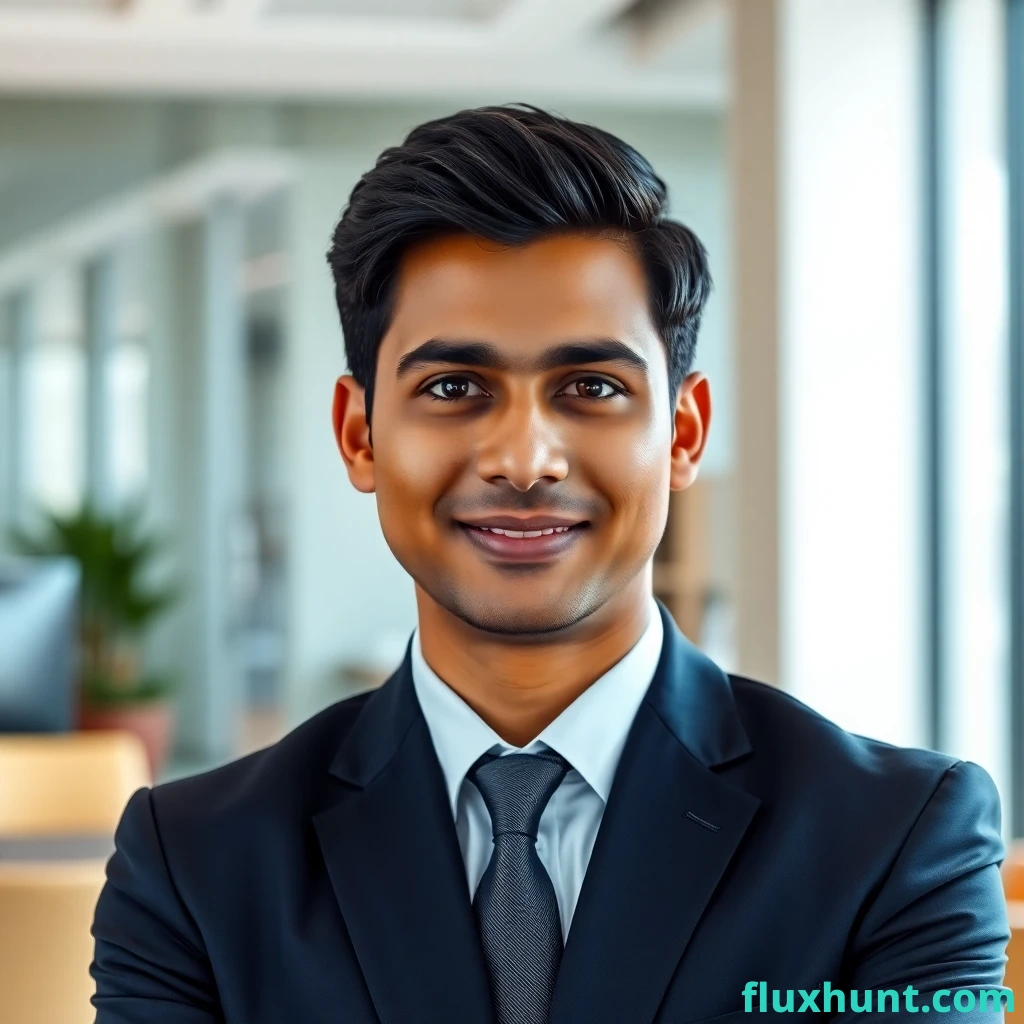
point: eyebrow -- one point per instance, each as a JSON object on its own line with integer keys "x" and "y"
{"x": 490, "y": 357}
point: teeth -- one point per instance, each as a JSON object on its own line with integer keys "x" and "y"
{"x": 525, "y": 533}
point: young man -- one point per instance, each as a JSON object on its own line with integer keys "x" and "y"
{"x": 557, "y": 809}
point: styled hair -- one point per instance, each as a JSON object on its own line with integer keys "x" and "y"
{"x": 511, "y": 174}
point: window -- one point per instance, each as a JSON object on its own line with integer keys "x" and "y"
{"x": 970, "y": 466}
{"x": 54, "y": 402}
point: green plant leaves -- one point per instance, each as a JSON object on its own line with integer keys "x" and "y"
{"x": 100, "y": 692}
{"x": 119, "y": 599}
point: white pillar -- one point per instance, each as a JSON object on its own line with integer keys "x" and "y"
{"x": 852, "y": 420}
{"x": 177, "y": 473}
{"x": 222, "y": 458}
{"x": 100, "y": 316}
{"x": 171, "y": 293}
{"x": 197, "y": 449}
{"x": 20, "y": 316}
{"x": 7, "y": 428}
{"x": 826, "y": 176}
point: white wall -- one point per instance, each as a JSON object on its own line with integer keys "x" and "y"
{"x": 851, "y": 449}
{"x": 688, "y": 151}
{"x": 57, "y": 156}
{"x": 976, "y": 633}
{"x": 345, "y": 589}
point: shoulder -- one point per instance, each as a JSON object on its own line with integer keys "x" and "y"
{"x": 787, "y": 730}
{"x": 284, "y": 778}
{"x": 799, "y": 752}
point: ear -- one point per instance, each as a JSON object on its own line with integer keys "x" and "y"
{"x": 691, "y": 421}
{"x": 352, "y": 432}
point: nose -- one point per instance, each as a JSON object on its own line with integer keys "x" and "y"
{"x": 522, "y": 445}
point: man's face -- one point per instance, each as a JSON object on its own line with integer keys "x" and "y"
{"x": 522, "y": 388}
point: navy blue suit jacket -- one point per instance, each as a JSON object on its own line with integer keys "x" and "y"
{"x": 320, "y": 881}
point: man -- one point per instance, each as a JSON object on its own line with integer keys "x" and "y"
{"x": 557, "y": 809}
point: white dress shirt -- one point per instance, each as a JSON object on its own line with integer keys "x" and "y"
{"x": 590, "y": 734}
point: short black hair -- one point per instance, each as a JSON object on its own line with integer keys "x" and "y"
{"x": 512, "y": 174}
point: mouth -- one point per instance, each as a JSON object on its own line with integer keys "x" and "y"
{"x": 523, "y": 540}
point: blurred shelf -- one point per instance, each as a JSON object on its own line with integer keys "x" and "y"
{"x": 684, "y": 578}
{"x": 672, "y": 578}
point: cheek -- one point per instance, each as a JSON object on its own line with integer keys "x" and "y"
{"x": 634, "y": 471}
{"x": 411, "y": 476}
{"x": 635, "y": 478}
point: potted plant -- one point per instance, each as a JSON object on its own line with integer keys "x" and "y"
{"x": 119, "y": 601}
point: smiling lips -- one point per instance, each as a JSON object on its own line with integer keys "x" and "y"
{"x": 524, "y": 533}
{"x": 532, "y": 539}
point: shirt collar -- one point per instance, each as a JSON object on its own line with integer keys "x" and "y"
{"x": 590, "y": 733}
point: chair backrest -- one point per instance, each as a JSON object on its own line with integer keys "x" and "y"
{"x": 68, "y": 782}
{"x": 1013, "y": 871}
{"x": 1015, "y": 951}
{"x": 1013, "y": 886}
{"x": 46, "y": 945}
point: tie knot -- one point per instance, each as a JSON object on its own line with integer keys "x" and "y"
{"x": 516, "y": 788}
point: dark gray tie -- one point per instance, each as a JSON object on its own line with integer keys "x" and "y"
{"x": 515, "y": 903}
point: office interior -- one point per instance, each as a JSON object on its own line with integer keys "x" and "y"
{"x": 170, "y": 173}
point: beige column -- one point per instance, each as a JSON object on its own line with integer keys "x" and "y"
{"x": 753, "y": 157}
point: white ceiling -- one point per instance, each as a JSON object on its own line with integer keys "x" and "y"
{"x": 469, "y": 10}
{"x": 57, "y": 5}
{"x": 638, "y": 52}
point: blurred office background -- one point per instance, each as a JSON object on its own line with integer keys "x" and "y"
{"x": 171, "y": 170}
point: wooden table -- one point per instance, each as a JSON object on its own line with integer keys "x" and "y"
{"x": 55, "y": 849}
{"x": 48, "y": 891}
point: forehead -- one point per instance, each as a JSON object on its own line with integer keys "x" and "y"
{"x": 532, "y": 295}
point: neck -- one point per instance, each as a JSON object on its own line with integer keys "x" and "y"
{"x": 518, "y": 689}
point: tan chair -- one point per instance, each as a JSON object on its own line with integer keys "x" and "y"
{"x": 1013, "y": 871}
{"x": 46, "y": 946}
{"x": 1015, "y": 950}
{"x": 68, "y": 783}
{"x": 1013, "y": 886}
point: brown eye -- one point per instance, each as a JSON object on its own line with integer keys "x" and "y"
{"x": 594, "y": 388}
{"x": 451, "y": 389}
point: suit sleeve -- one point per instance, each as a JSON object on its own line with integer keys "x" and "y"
{"x": 939, "y": 921}
{"x": 149, "y": 965}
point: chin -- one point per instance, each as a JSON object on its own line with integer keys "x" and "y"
{"x": 528, "y": 623}
{"x": 525, "y": 615}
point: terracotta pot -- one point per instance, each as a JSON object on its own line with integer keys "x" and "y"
{"x": 152, "y": 721}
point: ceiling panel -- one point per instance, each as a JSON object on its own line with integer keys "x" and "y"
{"x": 467, "y": 10}
{"x": 471, "y": 10}
{"x": 60, "y": 5}
{"x": 648, "y": 51}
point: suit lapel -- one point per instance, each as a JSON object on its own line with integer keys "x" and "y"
{"x": 394, "y": 861}
{"x": 668, "y": 833}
